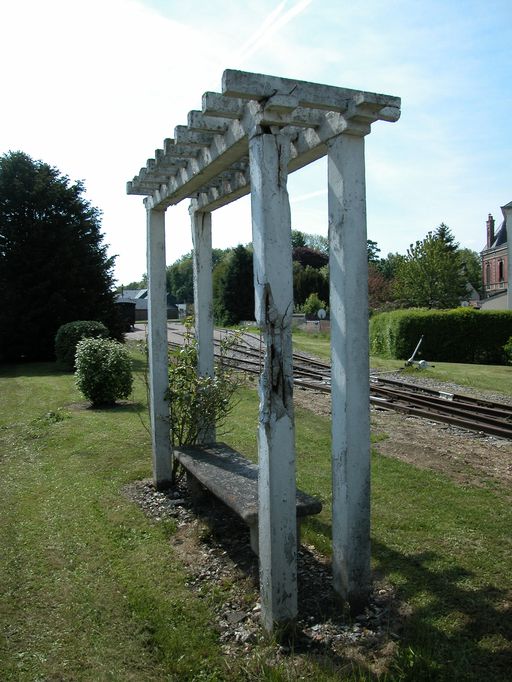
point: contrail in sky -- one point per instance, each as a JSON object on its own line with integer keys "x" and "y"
{"x": 309, "y": 195}
{"x": 273, "y": 22}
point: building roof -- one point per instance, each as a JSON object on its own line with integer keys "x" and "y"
{"x": 500, "y": 238}
{"x": 135, "y": 293}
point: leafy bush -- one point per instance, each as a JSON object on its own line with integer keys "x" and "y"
{"x": 198, "y": 404}
{"x": 507, "y": 348}
{"x": 103, "y": 371}
{"x": 68, "y": 336}
{"x": 458, "y": 335}
{"x": 313, "y": 304}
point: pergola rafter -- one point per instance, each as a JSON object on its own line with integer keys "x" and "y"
{"x": 248, "y": 139}
{"x": 217, "y": 138}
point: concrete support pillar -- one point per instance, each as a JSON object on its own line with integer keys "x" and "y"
{"x": 157, "y": 341}
{"x": 348, "y": 268}
{"x": 203, "y": 299}
{"x": 269, "y": 154}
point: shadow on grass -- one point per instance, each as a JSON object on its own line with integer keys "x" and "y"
{"x": 455, "y": 629}
{"x": 139, "y": 362}
{"x": 449, "y": 628}
{"x": 122, "y": 406}
{"x": 32, "y": 369}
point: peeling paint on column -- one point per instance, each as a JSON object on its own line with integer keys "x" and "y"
{"x": 283, "y": 125}
{"x": 349, "y": 370}
{"x": 269, "y": 156}
{"x": 157, "y": 347}
{"x": 203, "y": 298}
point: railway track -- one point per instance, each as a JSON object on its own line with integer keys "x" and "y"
{"x": 474, "y": 414}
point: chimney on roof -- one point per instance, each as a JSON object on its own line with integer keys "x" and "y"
{"x": 490, "y": 231}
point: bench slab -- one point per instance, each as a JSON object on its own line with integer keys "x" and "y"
{"x": 233, "y": 479}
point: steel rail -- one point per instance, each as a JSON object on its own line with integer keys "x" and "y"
{"x": 470, "y": 413}
{"x": 481, "y": 403}
{"x": 439, "y": 407}
{"x": 449, "y": 405}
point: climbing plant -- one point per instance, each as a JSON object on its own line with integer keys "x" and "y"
{"x": 199, "y": 404}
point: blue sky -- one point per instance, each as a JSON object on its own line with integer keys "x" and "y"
{"x": 93, "y": 88}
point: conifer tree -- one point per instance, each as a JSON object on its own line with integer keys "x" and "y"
{"x": 54, "y": 267}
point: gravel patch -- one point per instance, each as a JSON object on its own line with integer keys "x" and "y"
{"x": 213, "y": 544}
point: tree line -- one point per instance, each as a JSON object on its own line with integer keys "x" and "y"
{"x": 434, "y": 273}
{"x": 54, "y": 266}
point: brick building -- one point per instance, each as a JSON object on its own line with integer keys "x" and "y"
{"x": 495, "y": 257}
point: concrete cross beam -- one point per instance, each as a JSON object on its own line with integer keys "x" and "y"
{"x": 225, "y": 107}
{"x": 173, "y": 149}
{"x": 162, "y": 162}
{"x": 197, "y": 121}
{"x": 183, "y": 135}
{"x": 218, "y": 136}
{"x": 244, "y": 85}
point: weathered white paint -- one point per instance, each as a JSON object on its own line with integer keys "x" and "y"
{"x": 271, "y": 225}
{"x": 203, "y": 298}
{"x": 348, "y": 269}
{"x": 216, "y": 139}
{"x": 157, "y": 342}
{"x": 207, "y": 162}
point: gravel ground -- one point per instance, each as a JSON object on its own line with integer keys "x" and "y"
{"x": 466, "y": 457}
{"x": 213, "y": 545}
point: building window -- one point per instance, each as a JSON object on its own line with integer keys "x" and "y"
{"x": 487, "y": 273}
{"x": 500, "y": 271}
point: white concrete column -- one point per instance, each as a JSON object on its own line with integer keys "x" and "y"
{"x": 348, "y": 269}
{"x": 203, "y": 299}
{"x": 157, "y": 342}
{"x": 507, "y": 214}
{"x": 271, "y": 230}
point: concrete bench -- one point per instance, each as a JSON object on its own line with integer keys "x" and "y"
{"x": 234, "y": 480}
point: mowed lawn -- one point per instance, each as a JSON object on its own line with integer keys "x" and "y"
{"x": 92, "y": 590}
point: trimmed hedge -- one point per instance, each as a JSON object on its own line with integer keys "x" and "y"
{"x": 458, "y": 335}
{"x": 68, "y": 336}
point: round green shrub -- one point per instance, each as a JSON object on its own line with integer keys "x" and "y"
{"x": 68, "y": 336}
{"x": 103, "y": 371}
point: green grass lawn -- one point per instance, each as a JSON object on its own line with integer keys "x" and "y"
{"x": 488, "y": 377}
{"x": 91, "y": 589}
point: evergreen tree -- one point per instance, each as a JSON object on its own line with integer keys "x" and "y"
{"x": 430, "y": 276}
{"x": 444, "y": 234}
{"x": 54, "y": 267}
{"x": 373, "y": 251}
{"x": 308, "y": 280}
{"x": 234, "y": 288}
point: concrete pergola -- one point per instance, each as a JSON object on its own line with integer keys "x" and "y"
{"x": 247, "y": 139}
